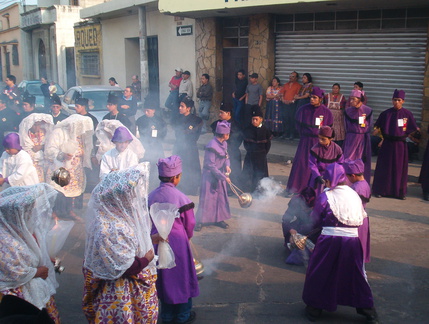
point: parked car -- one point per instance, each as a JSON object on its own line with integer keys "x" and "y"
{"x": 32, "y": 87}
{"x": 96, "y": 95}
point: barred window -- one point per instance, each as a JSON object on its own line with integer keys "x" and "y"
{"x": 15, "y": 55}
{"x": 90, "y": 63}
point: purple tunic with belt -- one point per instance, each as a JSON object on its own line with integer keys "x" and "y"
{"x": 364, "y": 191}
{"x": 177, "y": 285}
{"x": 308, "y": 130}
{"x": 320, "y": 157}
{"x": 214, "y": 204}
{"x": 391, "y": 171}
{"x": 357, "y": 144}
{"x": 424, "y": 172}
{"x": 335, "y": 273}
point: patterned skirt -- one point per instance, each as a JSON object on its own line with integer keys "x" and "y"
{"x": 273, "y": 116}
{"x": 131, "y": 299}
{"x": 51, "y": 307}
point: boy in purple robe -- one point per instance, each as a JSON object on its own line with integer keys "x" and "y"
{"x": 325, "y": 152}
{"x": 309, "y": 118}
{"x": 176, "y": 286}
{"x": 424, "y": 174}
{"x": 335, "y": 273}
{"x": 358, "y": 121}
{"x": 391, "y": 171}
{"x": 355, "y": 173}
{"x": 214, "y": 204}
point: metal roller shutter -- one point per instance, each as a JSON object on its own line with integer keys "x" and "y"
{"x": 381, "y": 61}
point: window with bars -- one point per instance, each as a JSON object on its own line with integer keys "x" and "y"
{"x": 15, "y": 55}
{"x": 236, "y": 32}
{"x": 90, "y": 63}
{"x": 358, "y": 20}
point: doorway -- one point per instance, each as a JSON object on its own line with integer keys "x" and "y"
{"x": 234, "y": 59}
{"x": 153, "y": 67}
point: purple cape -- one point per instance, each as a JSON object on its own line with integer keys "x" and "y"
{"x": 357, "y": 144}
{"x": 424, "y": 172}
{"x": 214, "y": 204}
{"x": 391, "y": 171}
{"x": 308, "y": 130}
{"x": 177, "y": 285}
{"x": 364, "y": 191}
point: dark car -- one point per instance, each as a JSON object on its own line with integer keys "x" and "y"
{"x": 96, "y": 95}
{"x": 32, "y": 87}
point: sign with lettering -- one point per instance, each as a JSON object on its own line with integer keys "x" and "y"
{"x": 31, "y": 19}
{"x": 87, "y": 37}
{"x": 184, "y": 30}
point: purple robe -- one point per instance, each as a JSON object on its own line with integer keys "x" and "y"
{"x": 335, "y": 273}
{"x": 308, "y": 130}
{"x": 320, "y": 157}
{"x": 364, "y": 191}
{"x": 391, "y": 171}
{"x": 214, "y": 204}
{"x": 424, "y": 172}
{"x": 177, "y": 285}
{"x": 357, "y": 144}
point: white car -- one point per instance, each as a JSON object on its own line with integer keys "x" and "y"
{"x": 97, "y": 98}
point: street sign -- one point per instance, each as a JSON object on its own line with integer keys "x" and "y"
{"x": 184, "y": 30}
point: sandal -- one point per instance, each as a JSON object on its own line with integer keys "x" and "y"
{"x": 222, "y": 224}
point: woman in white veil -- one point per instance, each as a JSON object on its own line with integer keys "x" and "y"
{"x": 26, "y": 270}
{"x": 119, "y": 265}
{"x": 33, "y": 132}
{"x": 70, "y": 146}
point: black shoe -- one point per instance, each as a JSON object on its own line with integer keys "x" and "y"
{"x": 191, "y": 319}
{"x": 426, "y": 196}
{"x": 377, "y": 196}
{"x": 369, "y": 313}
{"x": 402, "y": 198}
{"x": 312, "y": 313}
{"x": 198, "y": 227}
{"x": 222, "y": 224}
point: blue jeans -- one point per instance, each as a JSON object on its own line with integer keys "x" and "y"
{"x": 178, "y": 312}
{"x": 238, "y": 107}
{"x": 172, "y": 101}
{"x": 204, "y": 109}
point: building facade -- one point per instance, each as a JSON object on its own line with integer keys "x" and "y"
{"x": 49, "y": 40}
{"x": 383, "y": 44}
{"x": 136, "y": 39}
{"x": 11, "y": 50}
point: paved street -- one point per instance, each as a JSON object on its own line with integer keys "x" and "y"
{"x": 247, "y": 281}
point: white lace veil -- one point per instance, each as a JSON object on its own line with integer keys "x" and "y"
{"x": 25, "y": 219}
{"x": 118, "y": 224}
{"x": 104, "y": 132}
{"x": 24, "y": 128}
{"x": 67, "y": 131}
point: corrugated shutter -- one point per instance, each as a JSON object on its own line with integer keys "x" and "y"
{"x": 381, "y": 61}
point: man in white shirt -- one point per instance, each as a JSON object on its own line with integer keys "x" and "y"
{"x": 186, "y": 89}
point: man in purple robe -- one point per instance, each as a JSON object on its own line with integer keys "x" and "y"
{"x": 358, "y": 121}
{"x": 391, "y": 171}
{"x": 214, "y": 204}
{"x": 424, "y": 174}
{"x": 335, "y": 273}
{"x": 325, "y": 152}
{"x": 176, "y": 286}
{"x": 309, "y": 118}
{"x": 354, "y": 171}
